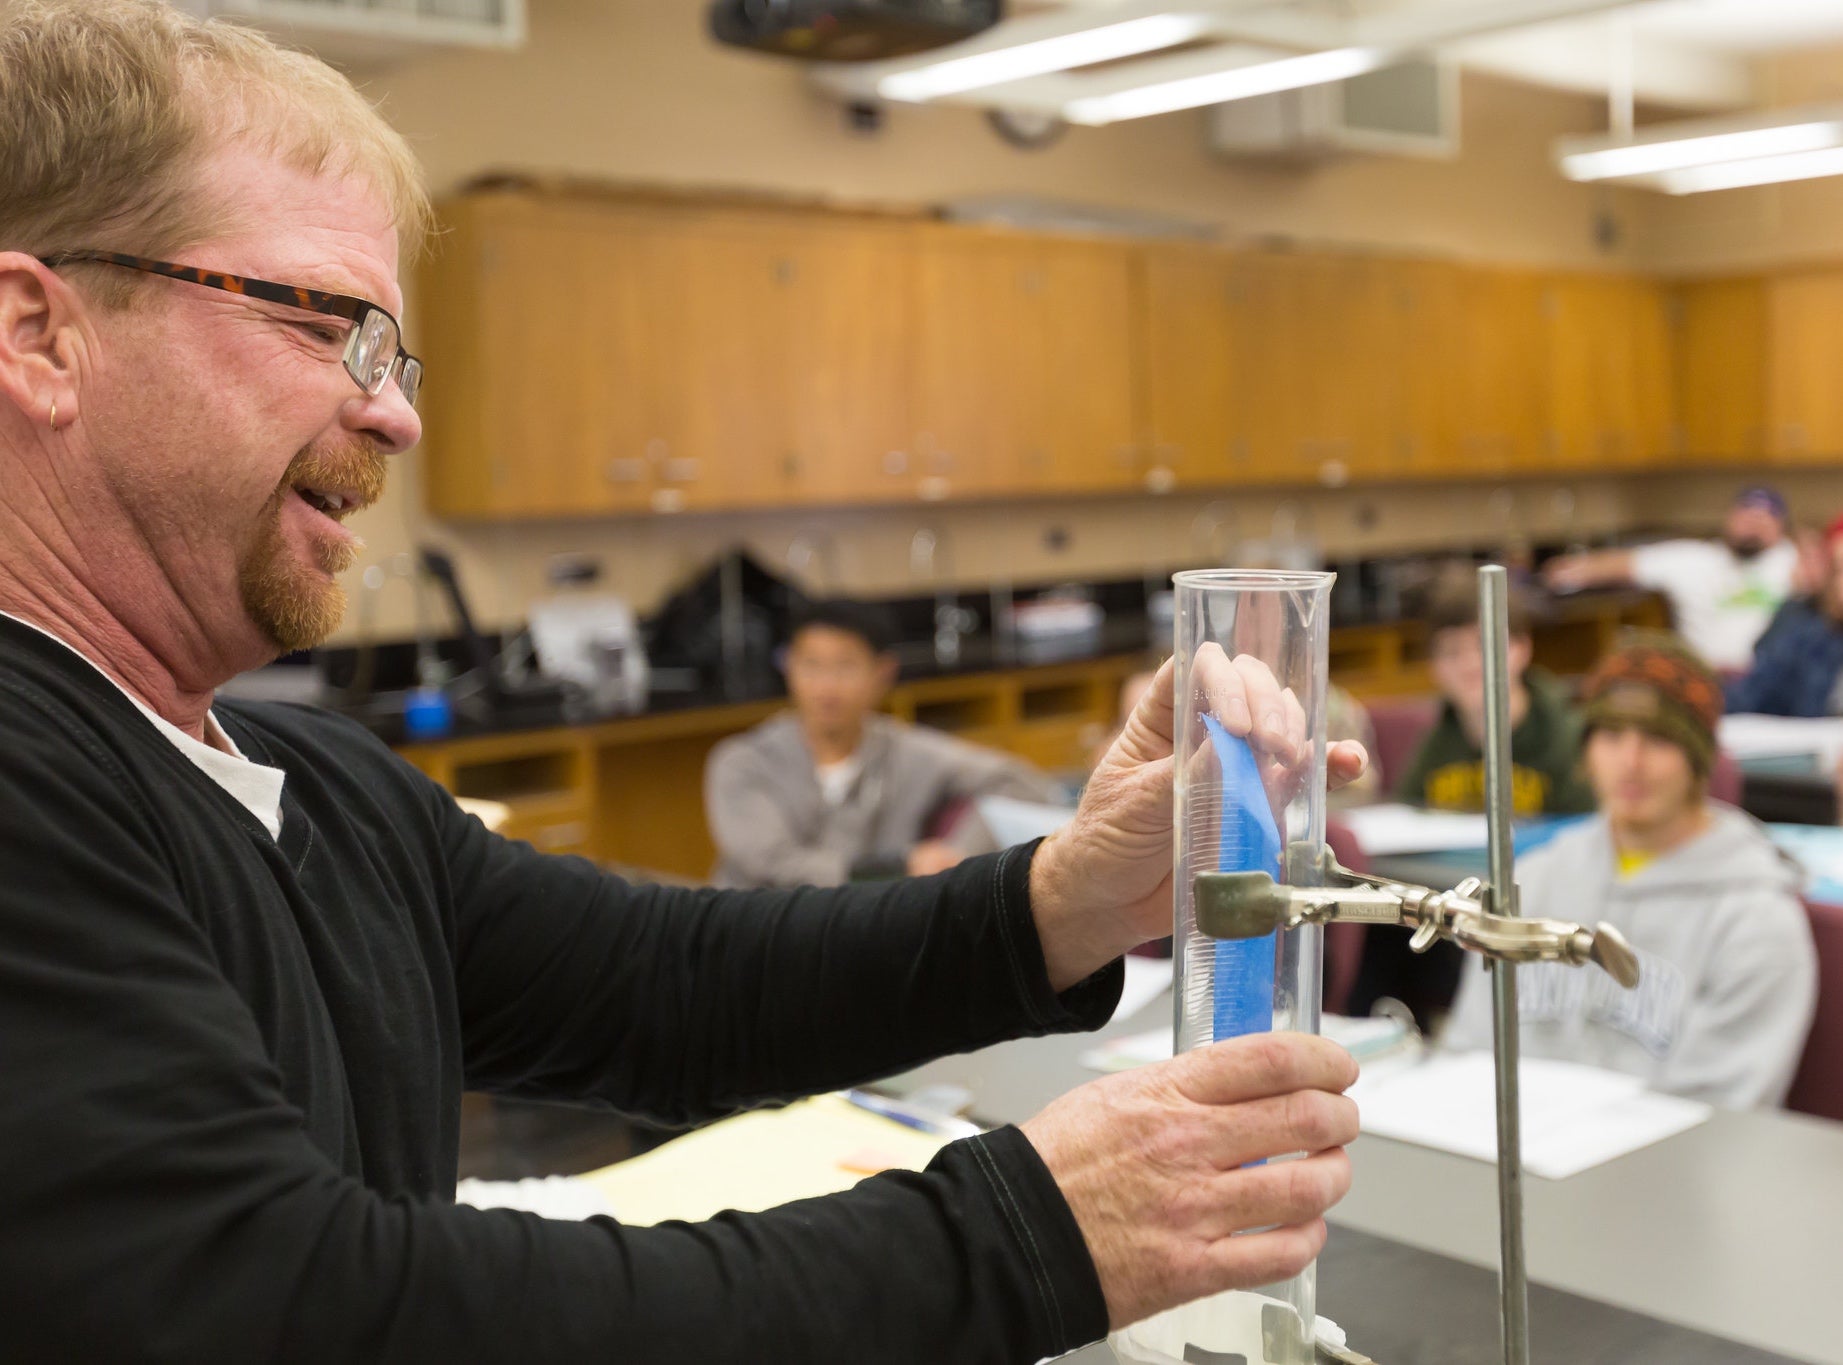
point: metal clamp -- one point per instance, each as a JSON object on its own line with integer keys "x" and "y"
{"x": 1241, "y": 905}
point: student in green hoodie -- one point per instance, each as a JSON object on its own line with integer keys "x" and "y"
{"x": 1448, "y": 772}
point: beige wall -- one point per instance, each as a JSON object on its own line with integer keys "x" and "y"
{"x": 630, "y": 90}
{"x": 1738, "y": 230}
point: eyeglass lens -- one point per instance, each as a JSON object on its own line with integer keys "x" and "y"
{"x": 372, "y": 351}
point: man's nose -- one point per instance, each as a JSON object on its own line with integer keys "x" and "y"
{"x": 387, "y": 419}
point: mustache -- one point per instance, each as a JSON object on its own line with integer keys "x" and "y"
{"x": 358, "y": 467}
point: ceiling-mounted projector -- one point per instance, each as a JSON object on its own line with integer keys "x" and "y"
{"x": 850, "y": 30}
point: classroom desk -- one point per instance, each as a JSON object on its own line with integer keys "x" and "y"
{"x": 1793, "y": 789}
{"x": 1731, "y": 1229}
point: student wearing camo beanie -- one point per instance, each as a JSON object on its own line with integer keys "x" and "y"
{"x": 1728, "y": 973}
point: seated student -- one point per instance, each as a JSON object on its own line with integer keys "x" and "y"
{"x": 1722, "y": 592}
{"x": 1798, "y": 665}
{"x": 1448, "y": 771}
{"x": 1728, "y": 973}
{"x": 832, "y": 791}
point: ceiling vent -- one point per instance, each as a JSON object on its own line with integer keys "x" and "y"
{"x": 1410, "y": 109}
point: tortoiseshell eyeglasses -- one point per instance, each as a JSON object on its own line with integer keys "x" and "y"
{"x": 374, "y": 344}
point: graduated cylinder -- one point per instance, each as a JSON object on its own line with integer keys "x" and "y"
{"x": 1248, "y": 784}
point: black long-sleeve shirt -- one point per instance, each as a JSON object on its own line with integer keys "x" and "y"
{"x": 231, "y": 1068}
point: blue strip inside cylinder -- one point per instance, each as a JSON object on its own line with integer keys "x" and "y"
{"x": 1250, "y": 842}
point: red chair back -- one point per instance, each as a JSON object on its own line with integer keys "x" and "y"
{"x": 1401, "y": 724}
{"x": 1818, "y": 1086}
{"x": 1725, "y": 779}
{"x": 1343, "y": 942}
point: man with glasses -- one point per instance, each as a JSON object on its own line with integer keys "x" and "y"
{"x": 249, "y": 959}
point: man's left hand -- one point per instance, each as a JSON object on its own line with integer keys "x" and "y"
{"x": 1103, "y": 884}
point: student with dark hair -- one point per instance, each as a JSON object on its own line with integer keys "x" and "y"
{"x": 833, "y": 790}
{"x": 1448, "y": 772}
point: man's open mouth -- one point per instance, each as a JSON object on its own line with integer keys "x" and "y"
{"x": 335, "y": 503}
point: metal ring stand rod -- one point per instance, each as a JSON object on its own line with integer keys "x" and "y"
{"x": 1513, "y": 1277}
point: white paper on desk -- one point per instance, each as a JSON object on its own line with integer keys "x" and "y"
{"x": 1389, "y": 829}
{"x": 1365, "y": 1039}
{"x": 553, "y": 1196}
{"x": 1574, "y": 1117}
{"x": 1011, "y": 821}
{"x": 1147, "y": 978}
{"x": 1751, "y": 736}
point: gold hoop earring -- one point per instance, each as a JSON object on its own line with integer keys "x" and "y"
{"x": 54, "y": 414}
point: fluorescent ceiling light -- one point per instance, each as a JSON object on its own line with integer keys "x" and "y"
{"x": 1768, "y": 170}
{"x": 1677, "y": 153}
{"x": 1219, "y": 87}
{"x": 1063, "y": 53}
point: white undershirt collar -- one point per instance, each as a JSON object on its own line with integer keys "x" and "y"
{"x": 254, "y": 786}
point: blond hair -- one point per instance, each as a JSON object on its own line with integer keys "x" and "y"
{"x": 109, "y": 108}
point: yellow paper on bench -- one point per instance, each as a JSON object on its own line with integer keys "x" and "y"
{"x": 758, "y": 1160}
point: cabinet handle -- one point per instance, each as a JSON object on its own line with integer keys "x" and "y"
{"x": 627, "y": 469}
{"x": 682, "y": 469}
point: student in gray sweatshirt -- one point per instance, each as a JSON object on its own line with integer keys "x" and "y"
{"x": 834, "y": 791}
{"x": 1729, "y": 974}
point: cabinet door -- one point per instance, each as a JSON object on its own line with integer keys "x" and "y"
{"x": 1658, "y": 435}
{"x": 1344, "y": 308}
{"x": 1804, "y": 340}
{"x": 1720, "y": 361}
{"x": 1416, "y": 361}
{"x": 977, "y": 363}
{"x": 1590, "y": 376}
{"x": 1024, "y": 364}
{"x": 1190, "y": 313}
{"x": 852, "y": 344}
{"x": 1498, "y": 384}
{"x": 1273, "y": 363}
{"x": 1610, "y": 404}
{"x": 1078, "y": 299}
{"x": 543, "y": 381}
{"x": 1311, "y": 338}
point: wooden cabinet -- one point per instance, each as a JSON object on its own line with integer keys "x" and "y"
{"x": 1496, "y": 381}
{"x": 540, "y": 336}
{"x": 1804, "y": 347}
{"x": 597, "y": 356}
{"x": 1608, "y": 373}
{"x": 1720, "y": 347}
{"x": 1418, "y": 356}
{"x": 1023, "y": 375}
{"x": 1308, "y": 335}
{"x": 590, "y": 357}
{"x": 1190, "y": 356}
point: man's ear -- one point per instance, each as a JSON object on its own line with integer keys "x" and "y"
{"x": 38, "y": 337}
{"x": 887, "y": 665}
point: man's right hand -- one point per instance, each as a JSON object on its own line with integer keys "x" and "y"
{"x": 1154, "y": 1164}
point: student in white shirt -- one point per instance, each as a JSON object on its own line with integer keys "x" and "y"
{"x": 1722, "y": 592}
